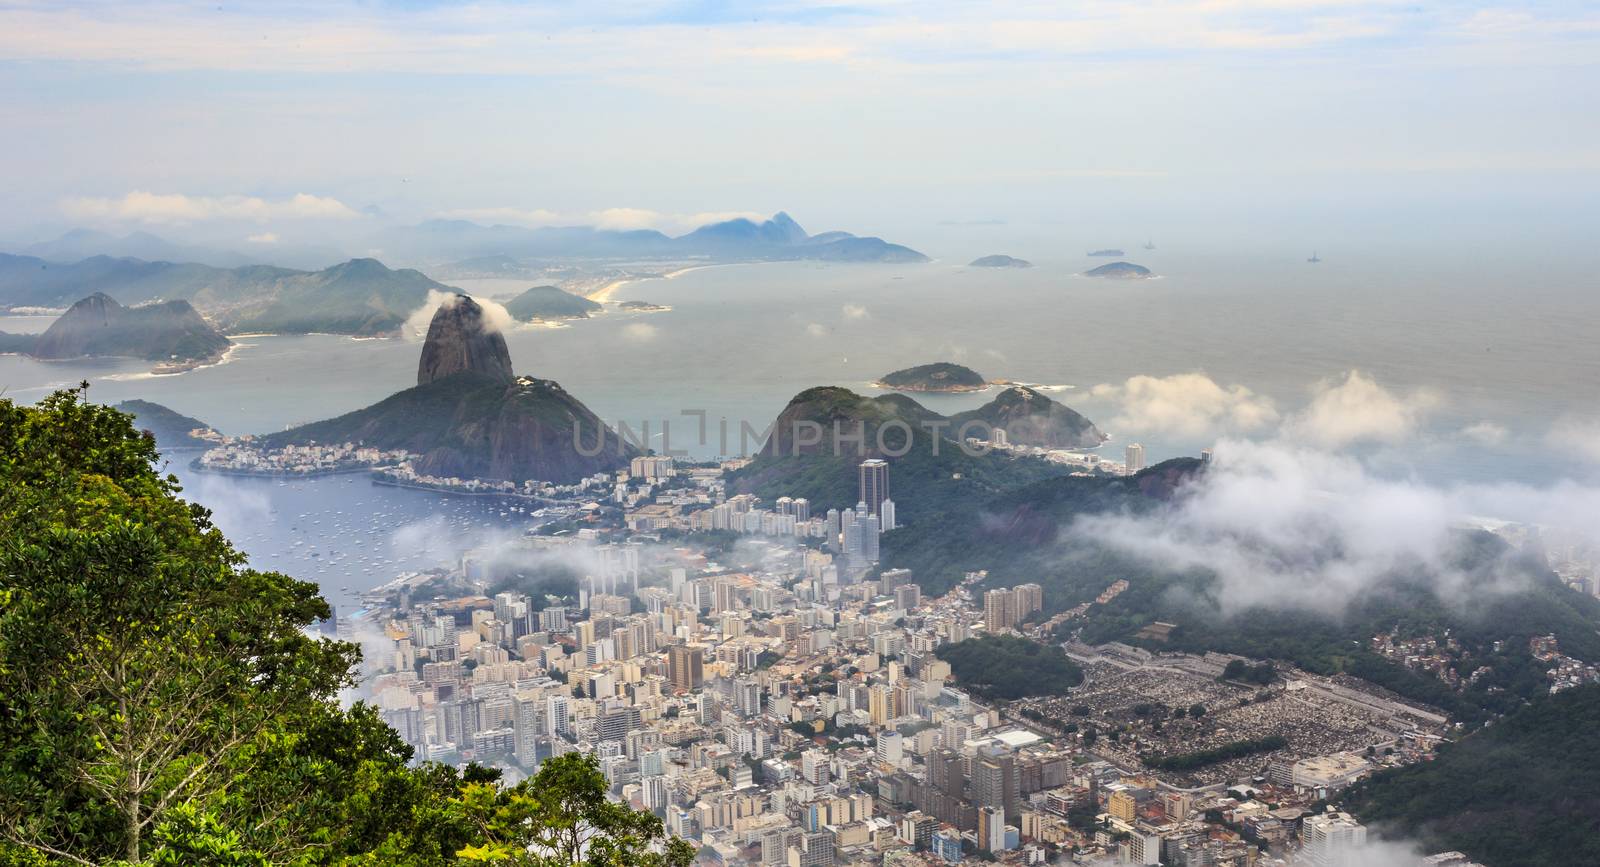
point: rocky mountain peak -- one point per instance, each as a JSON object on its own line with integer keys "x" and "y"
{"x": 461, "y": 339}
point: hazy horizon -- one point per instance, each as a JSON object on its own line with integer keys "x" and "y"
{"x": 1288, "y": 125}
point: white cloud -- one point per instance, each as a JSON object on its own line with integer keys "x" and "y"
{"x": 1185, "y": 404}
{"x": 1579, "y": 435}
{"x": 495, "y": 316}
{"x": 1486, "y": 433}
{"x": 1290, "y": 526}
{"x": 817, "y": 329}
{"x": 639, "y": 331}
{"x": 617, "y": 219}
{"x": 623, "y": 39}
{"x": 177, "y": 208}
{"x": 263, "y": 238}
{"x": 855, "y": 311}
{"x": 1358, "y": 409}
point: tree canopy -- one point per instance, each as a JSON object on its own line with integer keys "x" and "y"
{"x": 163, "y": 703}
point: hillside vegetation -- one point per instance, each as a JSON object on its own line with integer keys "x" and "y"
{"x": 165, "y": 704}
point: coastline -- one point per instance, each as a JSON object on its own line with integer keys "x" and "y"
{"x": 604, "y": 293}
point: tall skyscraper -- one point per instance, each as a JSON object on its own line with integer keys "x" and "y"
{"x": 999, "y": 610}
{"x": 685, "y": 667}
{"x": 1134, "y": 458}
{"x": 1030, "y": 598}
{"x": 886, "y": 517}
{"x": 991, "y": 829}
{"x": 874, "y": 483}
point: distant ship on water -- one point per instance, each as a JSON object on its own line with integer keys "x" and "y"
{"x": 1149, "y": 245}
{"x": 1314, "y": 258}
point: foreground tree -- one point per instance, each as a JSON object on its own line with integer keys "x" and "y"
{"x": 161, "y": 703}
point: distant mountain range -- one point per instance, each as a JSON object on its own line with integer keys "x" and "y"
{"x": 485, "y": 248}
{"x": 86, "y": 243}
{"x": 361, "y": 296}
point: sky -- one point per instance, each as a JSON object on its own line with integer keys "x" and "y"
{"x": 916, "y": 119}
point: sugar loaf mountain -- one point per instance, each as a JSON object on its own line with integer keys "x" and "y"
{"x": 470, "y": 416}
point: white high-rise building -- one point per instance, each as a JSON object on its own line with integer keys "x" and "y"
{"x": 555, "y": 716}
{"x": 886, "y": 517}
{"x": 997, "y": 437}
{"x": 1134, "y": 458}
{"x": 891, "y": 747}
{"x": 1332, "y": 840}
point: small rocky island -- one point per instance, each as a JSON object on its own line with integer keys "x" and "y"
{"x": 941, "y": 376}
{"x": 999, "y": 261}
{"x": 1121, "y": 271}
{"x": 550, "y": 302}
{"x": 642, "y": 307}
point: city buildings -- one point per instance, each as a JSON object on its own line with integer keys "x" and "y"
{"x": 1133, "y": 458}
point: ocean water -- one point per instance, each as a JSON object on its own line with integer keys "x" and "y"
{"x": 1486, "y": 340}
{"x": 344, "y": 532}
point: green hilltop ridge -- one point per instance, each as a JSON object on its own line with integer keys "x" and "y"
{"x": 550, "y": 302}
{"x": 169, "y": 331}
{"x": 934, "y": 475}
{"x": 1032, "y": 418}
{"x": 1120, "y": 271}
{"x": 1519, "y": 793}
{"x": 170, "y": 427}
{"x": 470, "y": 417}
{"x": 999, "y": 261}
{"x": 940, "y": 376}
{"x": 361, "y": 297}
{"x": 1009, "y": 667}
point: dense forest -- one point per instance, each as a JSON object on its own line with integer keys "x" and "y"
{"x": 1524, "y": 792}
{"x": 163, "y": 703}
{"x": 1010, "y": 667}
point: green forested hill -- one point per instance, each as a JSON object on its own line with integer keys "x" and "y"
{"x": 1524, "y": 792}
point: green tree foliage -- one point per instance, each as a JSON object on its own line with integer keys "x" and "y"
{"x": 1236, "y": 750}
{"x": 1009, "y": 667}
{"x": 162, "y": 703}
{"x": 1520, "y": 793}
{"x": 561, "y": 816}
